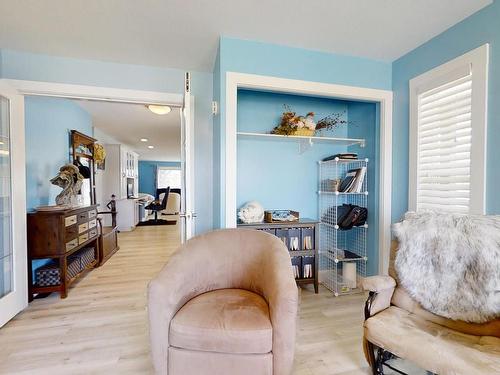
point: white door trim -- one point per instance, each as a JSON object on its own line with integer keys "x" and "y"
{"x": 70, "y": 91}
{"x": 17, "y": 299}
{"x": 234, "y": 81}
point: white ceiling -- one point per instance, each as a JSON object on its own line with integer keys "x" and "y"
{"x": 128, "y": 123}
{"x": 184, "y": 34}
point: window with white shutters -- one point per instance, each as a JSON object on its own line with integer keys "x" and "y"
{"x": 448, "y": 108}
{"x": 444, "y": 147}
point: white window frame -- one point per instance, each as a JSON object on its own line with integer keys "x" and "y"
{"x": 477, "y": 61}
{"x": 172, "y": 168}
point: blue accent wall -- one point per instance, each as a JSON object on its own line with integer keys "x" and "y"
{"x": 147, "y": 174}
{"x": 480, "y": 28}
{"x": 38, "y": 67}
{"x": 48, "y": 122}
{"x": 273, "y": 172}
{"x": 245, "y": 56}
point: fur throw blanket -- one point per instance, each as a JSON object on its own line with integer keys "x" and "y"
{"x": 450, "y": 263}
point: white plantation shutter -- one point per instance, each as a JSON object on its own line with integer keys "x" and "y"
{"x": 444, "y": 146}
{"x": 448, "y": 117}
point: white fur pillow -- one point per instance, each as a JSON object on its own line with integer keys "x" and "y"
{"x": 450, "y": 263}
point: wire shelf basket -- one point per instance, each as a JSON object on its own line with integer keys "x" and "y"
{"x": 341, "y": 252}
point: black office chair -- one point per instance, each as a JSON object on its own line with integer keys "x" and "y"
{"x": 158, "y": 205}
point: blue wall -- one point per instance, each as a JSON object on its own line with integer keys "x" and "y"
{"x": 482, "y": 27}
{"x": 275, "y": 174}
{"x": 147, "y": 174}
{"x": 37, "y": 67}
{"x": 48, "y": 122}
{"x": 268, "y": 59}
{"x": 272, "y": 171}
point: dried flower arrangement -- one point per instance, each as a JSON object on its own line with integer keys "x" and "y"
{"x": 291, "y": 124}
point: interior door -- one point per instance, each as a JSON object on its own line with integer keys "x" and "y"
{"x": 13, "y": 261}
{"x": 187, "y": 214}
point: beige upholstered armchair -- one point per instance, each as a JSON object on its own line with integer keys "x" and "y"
{"x": 397, "y": 325}
{"x": 225, "y": 304}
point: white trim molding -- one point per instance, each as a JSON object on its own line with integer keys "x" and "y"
{"x": 235, "y": 81}
{"x": 474, "y": 63}
{"x": 15, "y": 301}
{"x": 71, "y": 91}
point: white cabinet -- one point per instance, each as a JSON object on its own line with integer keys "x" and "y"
{"x": 121, "y": 164}
{"x": 128, "y": 214}
{"x": 130, "y": 163}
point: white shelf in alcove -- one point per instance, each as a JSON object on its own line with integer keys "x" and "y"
{"x": 305, "y": 142}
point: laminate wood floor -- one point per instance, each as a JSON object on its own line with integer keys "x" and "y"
{"x": 101, "y": 328}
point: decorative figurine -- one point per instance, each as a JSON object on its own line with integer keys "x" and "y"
{"x": 70, "y": 180}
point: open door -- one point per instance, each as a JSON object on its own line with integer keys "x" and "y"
{"x": 187, "y": 214}
{"x": 13, "y": 257}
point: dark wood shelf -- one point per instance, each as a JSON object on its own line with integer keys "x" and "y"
{"x": 82, "y": 155}
{"x": 296, "y": 253}
{"x": 51, "y": 233}
{"x": 302, "y": 224}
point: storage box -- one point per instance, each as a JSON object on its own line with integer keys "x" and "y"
{"x": 297, "y": 266}
{"x": 307, "y": 238}
{"x": 279, "y": 216}
{"x": 269, "y": 230}
{"x": 282, "y": 234}
{"x": 84, "y": 257}
{"x": 73, "y": 267}
{"x": 87, "y": 256}
{"x": 308, "y": 270}
{"x": 48, "y": 275}
{"x": 294, "y": 239}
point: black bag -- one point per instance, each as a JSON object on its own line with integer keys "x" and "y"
{"x": 350, "y": 215}
{"x": 347, "y": 215}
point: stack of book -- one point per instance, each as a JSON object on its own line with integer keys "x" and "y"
{"x": 344, "y": 156}
{"x": 353, "y": 181}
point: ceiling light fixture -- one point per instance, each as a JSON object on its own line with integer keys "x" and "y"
{"x": 151, "y": 147}
{"x": 144, "y": 139}
{"x": 159, "y": 109}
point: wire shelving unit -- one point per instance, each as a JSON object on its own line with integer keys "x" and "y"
{"x": 340, "y": 251}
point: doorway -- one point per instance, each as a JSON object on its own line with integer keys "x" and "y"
{"x": 17, "y": 91}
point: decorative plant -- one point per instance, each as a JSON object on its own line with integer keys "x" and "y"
{"x": 291, "y": 124}
{"x": 332, "y": 121}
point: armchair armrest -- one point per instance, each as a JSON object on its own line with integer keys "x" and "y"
{"x": 381, "y": 289}
{"x": 378, "y": 283}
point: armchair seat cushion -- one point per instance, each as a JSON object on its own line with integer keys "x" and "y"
{"x": 224, "y": 321}
{"x": 432, "y": 346}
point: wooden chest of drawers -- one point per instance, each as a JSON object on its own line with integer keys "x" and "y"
{"x": 57, "y": 235}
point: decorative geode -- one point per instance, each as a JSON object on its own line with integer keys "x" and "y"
{"x": 251, "y": 212}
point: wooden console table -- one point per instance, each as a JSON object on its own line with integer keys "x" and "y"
{"x": 306, "y": 249}
{"x": 57, "y": 235}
